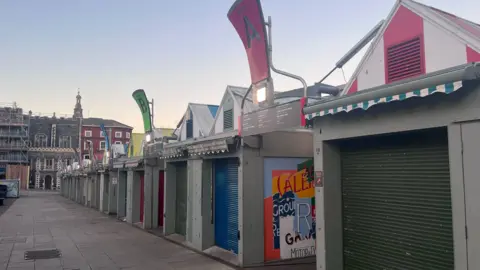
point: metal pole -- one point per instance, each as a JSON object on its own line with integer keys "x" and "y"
{"x": 270, "y": 51}
{"x": 153, "y": 113}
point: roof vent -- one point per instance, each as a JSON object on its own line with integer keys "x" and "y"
{"x": 404, "y": 60}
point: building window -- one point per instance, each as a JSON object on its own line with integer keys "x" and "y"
{"x": 118, "y": 142}
{"x": 88, "y": 133}
{"x": 87, "y": 144}
{"x": 127, "y": 135}
{"x": 49, "y": 164}
{"x": 102, "y": 145}
{"x": 40, "y": 140}
{"x": 101, "y": 133}
{"x": 65, "y": 142}
{"x": 118, "y": 134}
{"x": 86, "y": 157}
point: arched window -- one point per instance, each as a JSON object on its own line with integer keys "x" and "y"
{"x": 40, "y": 140}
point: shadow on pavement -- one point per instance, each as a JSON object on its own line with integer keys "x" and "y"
{"x": 6, "y": 204}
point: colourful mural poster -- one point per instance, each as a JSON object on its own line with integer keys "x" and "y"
{"x": 289, "y": 208}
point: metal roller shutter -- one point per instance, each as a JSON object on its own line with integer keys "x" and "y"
{"x": 233, "y": 205}
{"x": 226, "y": 204}
{"x": 142, "y": 196}
{"x": 397, "y": 206}
{"x": 181, "y": 199}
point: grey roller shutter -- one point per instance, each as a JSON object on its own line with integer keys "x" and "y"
{"x": 181, "y": 199}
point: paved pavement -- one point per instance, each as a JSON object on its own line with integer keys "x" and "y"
{"x": 87, "y": 239}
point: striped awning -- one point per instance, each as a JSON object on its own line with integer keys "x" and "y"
{"x": 118, "y": 164}
{"x": 443, "y": 88}
{"x": 208, "y": 147}
{"x": 173, "y": 152}
{"x": 133, "y": 162}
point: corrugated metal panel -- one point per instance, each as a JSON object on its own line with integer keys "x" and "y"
{"x": 404, "y": 60}
{"x": 181, "y": 199}
{"x": 397, "y": 207}
{"x": 226, "y": 204}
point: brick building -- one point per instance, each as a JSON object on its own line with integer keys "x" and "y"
{"x": 91, "y": 134}
{"x": 57, "y": 141}
{"x": 117, "y": 132}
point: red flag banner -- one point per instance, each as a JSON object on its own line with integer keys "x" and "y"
{"x": 247, "y": 18}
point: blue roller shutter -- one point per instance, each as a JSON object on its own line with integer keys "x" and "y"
{"x": 226, "y": 204}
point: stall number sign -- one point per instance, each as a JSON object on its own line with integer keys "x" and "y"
{"x": 319, "y": 178}
{"x": 114, "y": 181}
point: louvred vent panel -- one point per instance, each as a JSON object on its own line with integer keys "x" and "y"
{"x": 404, "y": 60}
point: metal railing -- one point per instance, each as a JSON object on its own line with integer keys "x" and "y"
{"x": 13, "y": 145}
{"x": 13, "y": 121}
{"x": 15, "y": 157}
{"x": 16, "y": 133}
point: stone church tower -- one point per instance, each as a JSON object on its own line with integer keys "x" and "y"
{"x": 78, "y": 111}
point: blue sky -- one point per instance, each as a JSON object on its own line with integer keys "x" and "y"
{"x": 179, "y": 51}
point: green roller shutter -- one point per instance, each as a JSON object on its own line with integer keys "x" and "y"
{"x": 397, "y": 210}
{"x": 181, "y": 199}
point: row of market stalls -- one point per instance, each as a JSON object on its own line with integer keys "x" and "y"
{"x": 393, "y": 175}
{"x": 115, "y": 189}
{"x": 248, "y": 200}
{"x": 381, "y": 175}
{"x": 395, "y": 180}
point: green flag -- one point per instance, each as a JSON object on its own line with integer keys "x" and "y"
{"x": 143, "y": 104}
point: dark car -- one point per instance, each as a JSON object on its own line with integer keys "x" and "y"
{"x": 3, "y": 193}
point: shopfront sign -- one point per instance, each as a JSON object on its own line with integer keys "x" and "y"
{"x": 279, "y": 117}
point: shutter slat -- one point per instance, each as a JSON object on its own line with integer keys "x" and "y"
{"x": 233, "y": 205}
{"x": 397, "y": 211}
{"x": 181, "y": 199}
{"x": 226, "y": 204}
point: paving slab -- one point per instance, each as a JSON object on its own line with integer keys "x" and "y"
{"x": 87, "y": 239}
